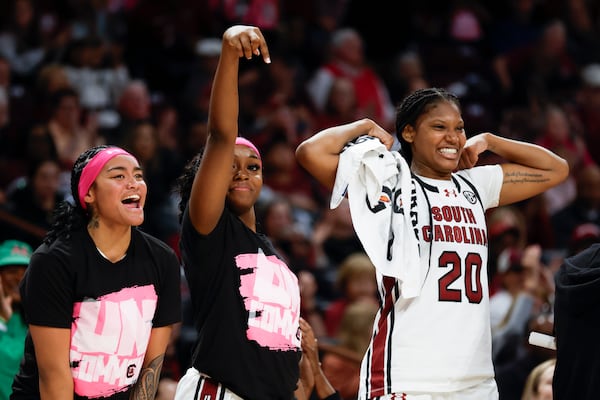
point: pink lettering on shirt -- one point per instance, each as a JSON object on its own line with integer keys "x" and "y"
{"x": 272, "y": 298}
{"x": 109, "y": 337}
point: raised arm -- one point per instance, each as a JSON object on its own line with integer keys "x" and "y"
{"x": 212, "y": 180}
{"x": 530, "y": 170}
{"x": 320, "y": 153}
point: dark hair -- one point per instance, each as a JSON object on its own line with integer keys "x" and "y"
{"x": 57, "y": 97}
{"x": 413, "y": 106}
{"x": 183, "y": 185}
{"x": 69, "y": 217}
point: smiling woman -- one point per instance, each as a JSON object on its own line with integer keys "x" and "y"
{"x": 231, "y": 268}
{"x": 99, "y": 292}
{"x": 422, "y": 222}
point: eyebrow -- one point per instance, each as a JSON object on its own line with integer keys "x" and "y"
{"x": 120, "y": 168}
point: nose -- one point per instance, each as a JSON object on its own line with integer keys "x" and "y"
{"x": 240, "y": 174}
{"x": 451, "y": 136}
{"x": 133, "y": 182}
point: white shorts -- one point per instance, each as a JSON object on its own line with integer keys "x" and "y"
{"x": 196, "y": 386}
{"x": 487, "y": 390}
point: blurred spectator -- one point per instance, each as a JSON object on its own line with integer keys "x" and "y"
{"x": 340, "y": 107}
{"x": 311, "y": 307}
{"x": 583, "y": 236}
{"x": 14, "y": 258}
{"x": 511, "y": 374}
{"x": 558, "y": 136}
{"x": 167, "y": 126}
{"x": 51, "y": 78}
{"x": 22, "y": 43}
{"x": 284, "y": 176}
{"x": 195, "y": 132}
{"x": 355, "y": 281}
{"x": 539, "y": 382}
{"x": 32, "y": 199}
{"x": 506, "y": 229}
{"x": 348, "y": 60}
{"x": 341, "y": 361}
{"x": 196, "y": 93}
{"x": 584, "y": 208}
{"x": 261, "y": 13}
{"x": 11, "y": 163}
{"x": 540, "y": 72}
{"x": 134, "y": 105}
{"x": 334, "y": 236}
{"x": 71, "y": 134}
{"x": 289, "y": 235}
{"x": 583, "y": 19}
{"x": 527, "y": 291}
{"x": 405, "y": 75}
{"x": 97, "y": 77}
{"x": 588, "y": 106}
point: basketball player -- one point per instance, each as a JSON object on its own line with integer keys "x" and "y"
{"x": 431, "y": 335}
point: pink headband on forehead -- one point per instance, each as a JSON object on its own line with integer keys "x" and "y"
{"x": 247, "y": 143}
{"x": 92, "y": 169}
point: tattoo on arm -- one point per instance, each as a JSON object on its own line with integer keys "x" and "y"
{"x": 524, "y": 177}
{"x": 147, "y": 383}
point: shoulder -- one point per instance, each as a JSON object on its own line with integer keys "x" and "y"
{"x": 152, "y": 242}
{"x": 64, "y": 246}
{"x": 482, "y": 172}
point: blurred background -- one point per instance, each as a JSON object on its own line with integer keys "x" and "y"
{"x": 137, "y": 73}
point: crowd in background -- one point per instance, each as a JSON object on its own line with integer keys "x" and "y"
{"x": 137, "y": 73}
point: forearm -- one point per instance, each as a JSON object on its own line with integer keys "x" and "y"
{"x": 323, "y": 388}
{"x": 530, "y": 169}
{"x": 56, "y": 384}
{"x": 525, "y": 154}
{"x": 147, "y": 383}
{"x": 319, "y": 154}
{"x": 224, "y": 102}
{"x": 332, "y": 140}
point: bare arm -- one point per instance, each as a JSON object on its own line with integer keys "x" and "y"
{"x": 147, "y": 383}
{"x": 211, "y": 183}
{"x": 52, "y": 354}
{"x": 530, "y": 170}
{"x": 320, "y": 154}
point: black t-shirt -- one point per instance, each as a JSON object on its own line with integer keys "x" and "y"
{"x": 577, "y": 327}
{"x": 247, "y": 307}
{"x": 110, "y": 309}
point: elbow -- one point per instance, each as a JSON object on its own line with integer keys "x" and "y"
{"x": 303, "y": 153}
{"x": 563, "y": 170}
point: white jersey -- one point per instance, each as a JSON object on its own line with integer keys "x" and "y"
{"x": 439, "y": 341}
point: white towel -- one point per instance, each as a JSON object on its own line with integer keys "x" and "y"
{"x": 367, "y": 170}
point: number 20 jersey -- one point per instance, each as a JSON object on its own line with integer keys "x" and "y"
{"x": 439, "y": 341}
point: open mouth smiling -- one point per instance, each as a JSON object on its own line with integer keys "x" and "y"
{"x": 133, "y": 200}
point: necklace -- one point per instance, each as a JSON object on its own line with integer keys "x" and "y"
{"x": 104, "y": 255}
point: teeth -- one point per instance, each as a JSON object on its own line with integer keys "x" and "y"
{"x": 131, "y": 199}
{"x": 448, "y": 151}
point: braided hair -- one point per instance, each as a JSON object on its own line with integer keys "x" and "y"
{"x": 413, "y": 106}
{"x": 183, "y": 185}
{"x": 69, "y": 217}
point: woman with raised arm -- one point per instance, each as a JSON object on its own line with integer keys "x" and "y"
{"x": 245, "y": 299}
{"x": 100, "y": 296}
{"x": 422, "y": 222}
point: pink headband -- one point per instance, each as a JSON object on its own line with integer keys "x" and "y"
{"x": 93, "y": 168}
{"x": 247, "y": 143}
